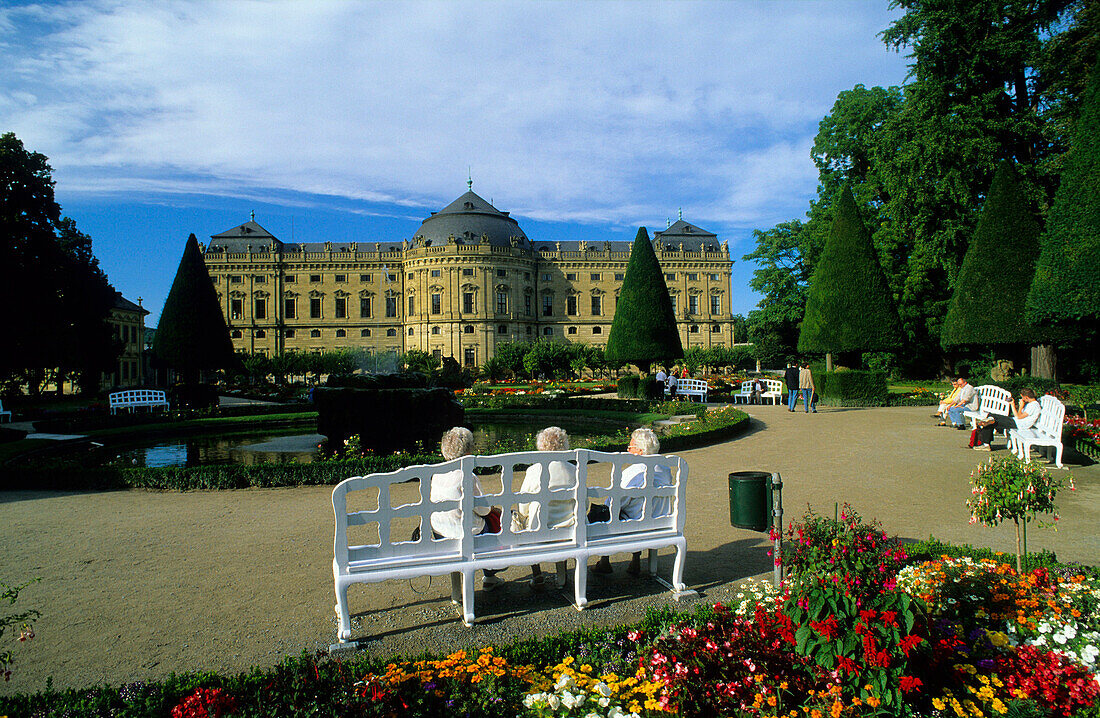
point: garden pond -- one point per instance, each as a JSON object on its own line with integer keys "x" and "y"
{"x": 291, "y": 445}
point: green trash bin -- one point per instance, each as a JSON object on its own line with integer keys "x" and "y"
{"x": 751, "y": 500}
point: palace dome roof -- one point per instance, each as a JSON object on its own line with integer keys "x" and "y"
{"x": 468, "y": 219}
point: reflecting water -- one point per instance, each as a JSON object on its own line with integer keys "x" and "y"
{"x": 295, "y": 447}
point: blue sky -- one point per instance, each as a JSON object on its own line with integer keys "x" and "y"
{"x": 353, "y": 120}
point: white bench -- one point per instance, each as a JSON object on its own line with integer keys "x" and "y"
{"x": 1046, "y": 432}
{"x": 4, "y": 413}
{"x": 773, "y": 391}
{"x": 693, "y": 387}
{"x": 136, "y": 398}
{"x": 379, "y": 549}
{"x": 991, "y": 400}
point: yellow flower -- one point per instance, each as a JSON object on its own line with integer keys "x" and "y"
{"x": 938, "y": 704}
{"x": 873, "y": 701}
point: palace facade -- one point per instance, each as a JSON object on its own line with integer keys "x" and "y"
{"x": 468, "y": 280}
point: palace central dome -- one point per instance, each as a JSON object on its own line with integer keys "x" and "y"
{"x": 470, "y": 220}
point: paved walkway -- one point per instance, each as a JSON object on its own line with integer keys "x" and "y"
{"x": 137, "y": 584}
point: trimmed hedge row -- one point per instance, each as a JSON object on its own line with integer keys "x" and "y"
{"x": 87, "y": 422}
{"x": 633, "y": 386}
{"x": 544, "y": 402}
{"x": 853, "y": 388}
{"x": 228, "y": 476}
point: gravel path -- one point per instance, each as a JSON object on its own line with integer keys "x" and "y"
{"x": 139, "y": 584}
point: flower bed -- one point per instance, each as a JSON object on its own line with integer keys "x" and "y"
{"x": 1082, "y": 434}
{"x": 948, "y": 637}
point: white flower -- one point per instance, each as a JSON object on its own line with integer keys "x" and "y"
{"x": 571, "y": 701}
{"x": 553, "y": 701}
{"x": 566, "y": 681}
{"x": 1060, "y": 639}
{"x": 593, "y": 714}
{"x": 1044, "y": 627}
{"x": 604, "y": 702}
{"x": 603, "y": 689}
{"x": 1070, "y": 630}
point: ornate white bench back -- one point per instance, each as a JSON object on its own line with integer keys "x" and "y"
{"x": 1051, "y": 415}
{"x": 662, "y": 506}
{"x": 993, "y": 399}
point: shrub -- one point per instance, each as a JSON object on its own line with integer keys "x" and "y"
{"x": 387, "y": 419}
{"x": 852, "y": 388}
{"x": 628, "y": 386}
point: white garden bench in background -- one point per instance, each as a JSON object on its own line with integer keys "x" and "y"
{"x": 1046, "y": 432}
{"x": 692, "y": 387}
{"x": 992, "y": 399}
{"x": 4, "y": 413}
{"x": 371, "y": 542}
{"x": 773, "y": 391}
{"x": 137, "y": 398}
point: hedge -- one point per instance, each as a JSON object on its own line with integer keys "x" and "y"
{"x": 637, "y": 387}
{"x": 549, "y": 402}
{"x": 386, "y": 420}
{"x": 852, "y": 388}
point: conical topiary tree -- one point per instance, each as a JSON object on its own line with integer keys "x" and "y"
{"x": 849, "y": 307}
{"x": 191, "y": 333}
{"x": 644, "y": 328}
{"x": 988, "y": 305}
{"x": 1065, "y": 293}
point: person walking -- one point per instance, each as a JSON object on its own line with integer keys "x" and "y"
{"x": 790, "y": 378}
{"x": 806, "y": 386}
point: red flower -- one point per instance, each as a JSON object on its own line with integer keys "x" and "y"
{"x": 867, "y": 614}
{"x": 847, "y": 664}
{"x": 889, "y": 618}
{"x": 910, "y": 684}
{"x": 828, "y": 628}
{"x": 909, "y": 642}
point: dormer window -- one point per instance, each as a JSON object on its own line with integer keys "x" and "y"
{"x": 468, "y": 205}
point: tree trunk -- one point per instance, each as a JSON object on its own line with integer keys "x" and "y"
{"x": 1044, "y": 363}
{"x": 828, "y": 361}
{"x": 1019, "y": 564}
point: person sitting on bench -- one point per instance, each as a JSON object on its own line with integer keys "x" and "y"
{"x": 1024, "y": 416}
{"x": 643, "y": 442}
{"x": 559, "y": 513}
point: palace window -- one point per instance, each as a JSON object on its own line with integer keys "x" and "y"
{"x": 502, "y": 329}
{"x": 467, "y": 272}
{"x": 236, "y": 334}
{"x": 673, "y": 300}
{"x": 435, "y": 330}
{"x": 469, "y": 356}
{"x": 597, "y": 305}
{"x": 527, "y": 276}
{"x": 314, "y": 333}
{"x": 468, "y": 302}
{"x": 341, "y": 333}
{"x": 693, "y": 277}
{"x": 410, "y": 331}
{"x": 715, "y": 328}
{"x": 597, "y": 330}
{"x": 548, "y": 331}
{"x": 341, "y": 278}
{"x": 547, "y": 305}
{"x": 571, "y": 330}
{"x": 391, "y": 306}
{"x": 595, "y": 276}
{"x": 391, "y": 332}
{"x": 670, "y": 276}
{"x": 437, "y": 303}
{"x": 620, "y": 276}
{"x": 571, "y": 305}
{"x": 364, "y": 332}
{"x": 289, "y": 333}
{"x": 502, "y": 302}
{"x": 529, "y": 331}
{"x": 716, "y": 304}
{"x": 260, "y": 309}
{"x": 314, "y": 307}
{"x": 693, "y": 304}
{"x": 437, "y": 354}
{"x": 468, "y": 329}
{"x": 527, "y": 305}
{"x": 261, "y": 279}
{"x": 364, "y": 307}
{"x": 290, "y": 308}
{"x": 391, "y": 277}
{"x": 341, "y": 307}
{"x": 436, "y": 273}
{"x": 502, "y": 273}
{"x": 364, "y": 278}
{"x": 315, "y": 278}
{"x": 715, "y": 278}
{"x": 412, "y": 306}
{"x": 235, "y": 279}
{"x": 290, "y": 279}
{"x": 213, "y": 280}
{"x": 571, "y": 277}
{"x": 236, "y": 308}
{"x": 546, "y": 276}
{"x": 411, "y": 275}
{"x": 694, "y": 329}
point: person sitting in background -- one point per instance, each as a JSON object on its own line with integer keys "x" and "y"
{"x": 757, "y": 391}
{"x": 966, "y": 400}
{"x": 559, "y": 512}
{"x": 643, "y": 442}
{"x": 1024, "y": 415}
{"x": 456, "y": 443}
{"x": 948, "y": 402}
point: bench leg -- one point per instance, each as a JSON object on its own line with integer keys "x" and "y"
{"x": 467, "y": 597}
{"x": 1058, "y": 455}
{"x": 580, "y": 583}
{"x": 456, "y": 588}
{"x": 678, "y": 569}
{"x": 343, "y": 632}
{"x": 651, "y": 562}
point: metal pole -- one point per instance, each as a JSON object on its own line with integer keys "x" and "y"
{"x": 777, "y": 522}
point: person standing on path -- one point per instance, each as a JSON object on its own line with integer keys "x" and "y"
{"x": 806, "y": 386}
{"x": 672, "y": 384}
{"x": 790, "y": 378}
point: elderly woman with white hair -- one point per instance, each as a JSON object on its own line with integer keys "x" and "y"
{"x": 643, "y": 442}
{"x": 456, "y": 443}
{"x": 559, "y": 512}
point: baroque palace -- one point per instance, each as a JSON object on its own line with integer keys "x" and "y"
{"x": 468, "y": 280}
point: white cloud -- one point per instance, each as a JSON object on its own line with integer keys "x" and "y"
{"x": 567, "y": 111}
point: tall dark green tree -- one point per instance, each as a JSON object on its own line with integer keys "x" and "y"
{"x": 988, "y": 305}
{"x": 644, "y": 328}
{"x": 191, "y": 334}
{"x": 47, "y": 260}
{"x": 849, "y": 308}
{"x": 1065, "y": 293}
